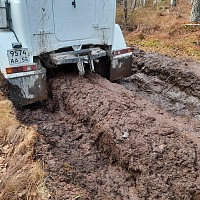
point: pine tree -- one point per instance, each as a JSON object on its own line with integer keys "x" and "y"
{"x": 173, "y": 3}
{"x": 125, "y": 10}
{"x": 195, "y": 13}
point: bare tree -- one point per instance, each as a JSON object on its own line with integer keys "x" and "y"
{"x": 133, "y": 3}
{"x": 125, "y": 10}
{"x": 173, "y": 3}
{"x": 139, "y": 2}
{"x": 195, "y": 13}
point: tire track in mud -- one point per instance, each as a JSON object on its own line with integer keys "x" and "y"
{"x": 108, "y": 143}
{"x": 173, "y": 84}
{"x": 183, "y": 73}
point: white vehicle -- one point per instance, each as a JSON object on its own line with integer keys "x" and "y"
{"x": 39, "y": 34}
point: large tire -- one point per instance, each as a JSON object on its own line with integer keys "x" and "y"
{"x": 103, "y": 67}
{"x": 3, "y": 85}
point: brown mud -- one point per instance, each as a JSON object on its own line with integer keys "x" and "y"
{"x": 173, "y": 83}
{"x": 102, "y": 141}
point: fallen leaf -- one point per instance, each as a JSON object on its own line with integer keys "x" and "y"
{"x": 25, "y": 166}
{"x": 6, "y": 149}
{"x": 22, "y": 193}
{"x": 33, "y": 194}
{"x": 3, "y": 170}
{"x": 2, "y": 160}
{"x": 161, "y": 147}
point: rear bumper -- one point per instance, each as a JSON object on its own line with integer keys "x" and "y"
{"x": 121, "y": 66}
{"x": 75, "y": 56}
{"x": 24, "y": 90}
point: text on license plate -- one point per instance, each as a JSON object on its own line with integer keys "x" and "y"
{"x": 17, "y": 56}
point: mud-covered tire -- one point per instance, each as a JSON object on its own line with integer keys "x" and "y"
{"x": 103, "y": 67}
{"x": 3, "y": 85}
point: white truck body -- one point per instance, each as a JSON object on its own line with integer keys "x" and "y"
{"x": 31, "y": 30}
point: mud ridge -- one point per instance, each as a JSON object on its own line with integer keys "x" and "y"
{"x": 101, "y": 128}
{"x": 183, "y": 73}
{"x": 171, "y": 92}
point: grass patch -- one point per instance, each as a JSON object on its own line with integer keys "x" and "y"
{"x": 161, "y": 29}
{"x": 20, "y": 176}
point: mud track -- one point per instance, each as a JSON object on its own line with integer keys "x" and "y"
{"x": 173, "y": 83}
{"x": 102, "y": 141}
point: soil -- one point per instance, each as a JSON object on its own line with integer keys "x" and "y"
{"x": 100, "y": 140}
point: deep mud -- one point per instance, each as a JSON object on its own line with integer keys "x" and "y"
{"x": 102, "y": 141}
{"x": 173, "y": 84}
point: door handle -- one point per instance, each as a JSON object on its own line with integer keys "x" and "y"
{"x": 74, "y": 3}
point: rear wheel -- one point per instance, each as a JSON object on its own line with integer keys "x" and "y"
{"x": 103, "y": 67}
{"x": 3, "y": 85}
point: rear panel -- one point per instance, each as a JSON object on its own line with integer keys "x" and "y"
{"x": 74, "y": 19}
{"x": 3, "y": 21}
{"x": 54, "y": 24}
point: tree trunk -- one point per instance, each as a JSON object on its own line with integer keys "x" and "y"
{"x": 125, "y": 10}
{"x": 195, "y": 13}
{"x": 133, "y": 4}
{"x": 173, "y": 3}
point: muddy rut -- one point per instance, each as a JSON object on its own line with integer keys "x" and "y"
{"x": 102, "y": 141}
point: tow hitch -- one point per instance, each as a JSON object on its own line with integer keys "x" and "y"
{"x": 81, "y": 57}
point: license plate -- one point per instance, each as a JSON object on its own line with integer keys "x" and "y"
{"x": 18, "y": 56}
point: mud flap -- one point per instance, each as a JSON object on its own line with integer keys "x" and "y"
{"x": 120, "y": 66}
{"x": 28, "y": 89}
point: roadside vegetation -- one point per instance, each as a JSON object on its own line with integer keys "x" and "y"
{"x": 161, "y": 28}
{"x": 20, "y": 176}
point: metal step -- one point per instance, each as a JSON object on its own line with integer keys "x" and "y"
{"x": 75, "y": 56}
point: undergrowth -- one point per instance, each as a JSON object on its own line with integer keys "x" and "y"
{"x": 161, "y": 28}
{"x": 20, "y": 176}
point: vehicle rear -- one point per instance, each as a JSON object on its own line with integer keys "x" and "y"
{"x": 39, "y": 34}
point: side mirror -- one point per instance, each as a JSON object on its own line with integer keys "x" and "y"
{"x": 3, "y": 14}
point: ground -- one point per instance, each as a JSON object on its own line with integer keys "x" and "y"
{"x": 162, "y": 28}
{"x": 102, "y": 141}
{"x": 137, "y": 138}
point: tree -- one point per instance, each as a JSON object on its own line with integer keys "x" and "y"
{"x": 133, "y": 3}
{"x": 195, "y": 13}
{"x": 125, "y": 10}
{"x": 173, "y": 3}
{"x": 139, "y": 2}
{"x": 143, "y": 2}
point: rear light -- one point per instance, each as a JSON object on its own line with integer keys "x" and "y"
{"x": 122, "y": 51}
{"x": 33, "y": 67}
{"x": 19, "y": 69}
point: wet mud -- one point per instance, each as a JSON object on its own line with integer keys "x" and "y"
{"x": 100, "y": 140}
{"x": 173, "y": 84}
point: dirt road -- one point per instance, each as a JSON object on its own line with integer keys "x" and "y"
{"x": 103, "y": 141}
